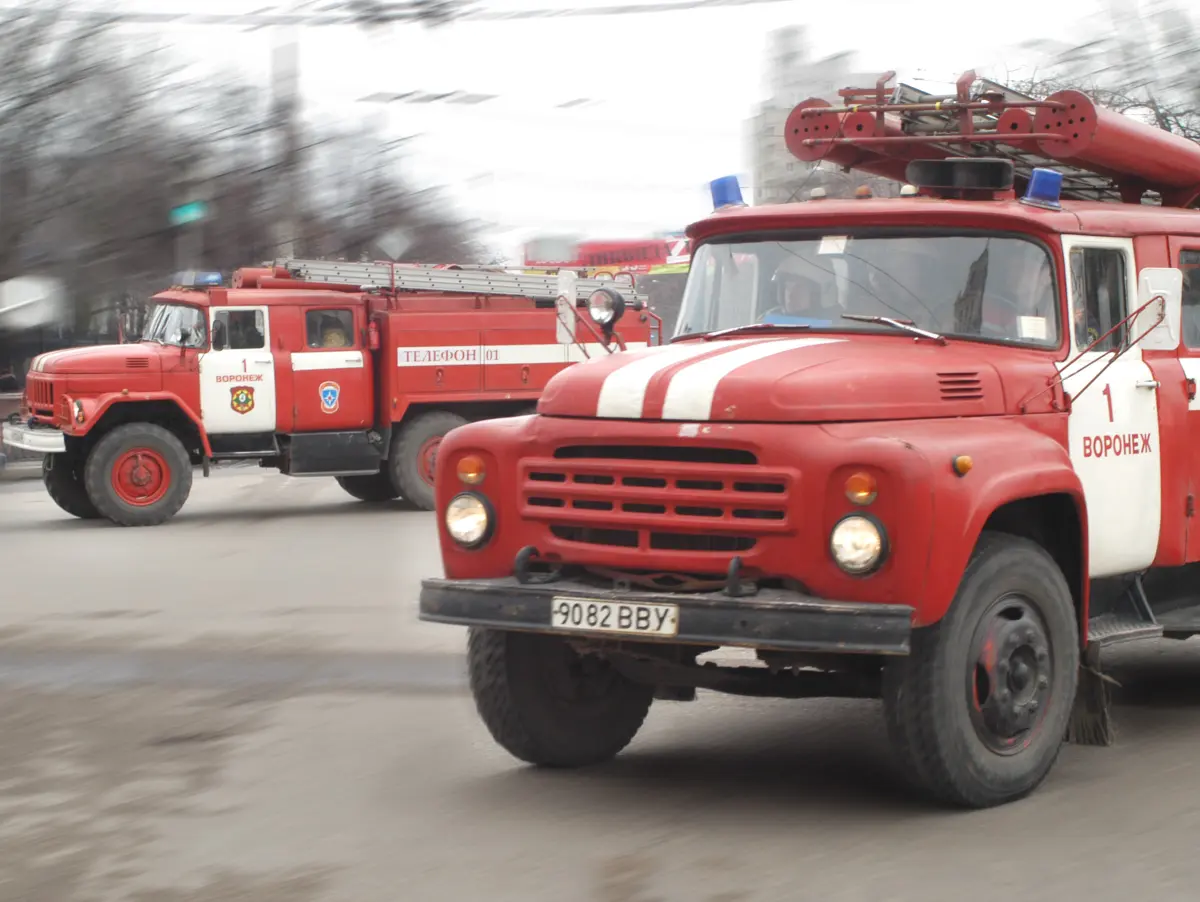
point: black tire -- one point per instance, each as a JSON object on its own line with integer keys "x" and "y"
{"x": 374, "y": 488}
{"x": 406, "y": 462}
{"x": 937, "y": 700}
{"x": 521, "y": 684}
{"x": 62, "y": 475}
{"x": 164, "y": 448}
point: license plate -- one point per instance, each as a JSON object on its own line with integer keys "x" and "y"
{"x": 589, "y": 615}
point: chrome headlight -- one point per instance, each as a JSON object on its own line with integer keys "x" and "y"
{"x": 468, "y": 519}
{"x": 858, "y": 544}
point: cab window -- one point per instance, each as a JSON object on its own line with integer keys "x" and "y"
{"x": 176, "y": 324}
{"x": 1189, "y": 262}
{"x": 329, "y": 328}
{"x": 1098, "y": 287}
{"x": 238, "y": 330}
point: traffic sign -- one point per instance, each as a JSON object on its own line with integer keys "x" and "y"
{"x": 188, "y": 213}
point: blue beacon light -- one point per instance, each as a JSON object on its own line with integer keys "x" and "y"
{"x": 1045, "y": 189}
{"x": 726, "y": 193}
{"x": 192, "y": 279}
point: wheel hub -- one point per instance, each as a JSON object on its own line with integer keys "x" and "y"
{"x": 581, "y": 679}
{"x": 141, "y": 477}
{"x": 1011, "y": 671}
{"x": 427, "y": 458}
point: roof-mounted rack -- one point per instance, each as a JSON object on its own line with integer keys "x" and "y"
{"x": 453, "y": 279}
{"x": 1101, "y": 154}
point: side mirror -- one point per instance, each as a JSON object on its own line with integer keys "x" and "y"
{"x": 1165, "y": 283}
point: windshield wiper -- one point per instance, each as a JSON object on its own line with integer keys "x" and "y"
{"x": 903, "y": 324}
{"x": 740, "y": 330}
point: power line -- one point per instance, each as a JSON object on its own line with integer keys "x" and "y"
{"x": 637, "y": 9}
{"x": 360, "y": 13}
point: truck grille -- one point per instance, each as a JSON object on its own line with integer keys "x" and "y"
{"x": 657, "y": 498}
{"x": 40, "y": 393}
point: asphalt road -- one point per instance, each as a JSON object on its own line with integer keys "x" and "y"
{"x": 240, "y": 705}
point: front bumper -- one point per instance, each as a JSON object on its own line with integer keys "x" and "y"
{"x": 38, "y": 439}
{"x": 772, "y": 619}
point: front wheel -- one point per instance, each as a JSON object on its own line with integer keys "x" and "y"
{"x": 138, "y": 475}
{"x": 549, "y": 706}
{"x": 374, "y": 488}
{"x": 62, "y": 475}
{"x": 978, "y": 710}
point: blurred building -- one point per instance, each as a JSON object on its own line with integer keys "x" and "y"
{"x": 792, "y": 75}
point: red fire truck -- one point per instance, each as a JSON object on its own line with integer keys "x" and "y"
{"x": 620, "y": 259}
{"x": 939, "y": 449}
{"x": 656, "y": 266}
{"x": 352, "y": 370}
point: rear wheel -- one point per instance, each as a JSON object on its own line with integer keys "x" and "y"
{"x": 62, "y": 474}
{"x": 549, "y": 706}
{"x": 375, "y": 488}
{"x": 138, "y": 475}
{"x": 413, "y": 457}
{"x": 979, "y": 708}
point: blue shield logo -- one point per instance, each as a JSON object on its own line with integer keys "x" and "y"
{"x": 330, "y": 392}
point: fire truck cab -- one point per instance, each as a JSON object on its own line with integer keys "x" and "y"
{"x": 316, "y": 368}
{"x": 939, "y": 449}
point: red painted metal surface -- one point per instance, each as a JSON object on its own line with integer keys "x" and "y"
{"x": 1068, "y": 128}
{"x": 141, "y": 477}
{"x": 1131, "y": 152}
{"x": 511, "y": 347}
{"x": 814, "y": 119}
{"x": 427, "y": 458}
{"x": 538, "y": 507}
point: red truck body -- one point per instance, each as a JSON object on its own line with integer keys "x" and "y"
{"x": 937, "y": 449}
{"x": 314, "y": 378}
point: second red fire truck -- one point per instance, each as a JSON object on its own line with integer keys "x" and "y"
{"x": 351, "y": 370}
{"x": 940, "y": 449}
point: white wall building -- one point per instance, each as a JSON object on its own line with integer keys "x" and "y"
{"x": 792, "y": 76}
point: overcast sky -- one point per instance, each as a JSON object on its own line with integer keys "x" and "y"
{"x": 673, "y": 92}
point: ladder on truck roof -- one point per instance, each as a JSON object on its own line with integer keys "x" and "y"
{"x": 1102, "y": 155}
{"x": 457, "y": 281}
{"x": 1079, "y": 184}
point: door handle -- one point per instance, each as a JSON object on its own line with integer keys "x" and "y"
{"x": 352, "y": 360}
{"x": 269, "y": 360}
{"x": 1147, "y": 383}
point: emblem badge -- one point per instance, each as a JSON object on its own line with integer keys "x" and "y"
{"x": 330, "y": 392}
{"x": 242, "y": 398}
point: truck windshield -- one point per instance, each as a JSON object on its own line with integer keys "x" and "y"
{"x": 997, "y": 288}
{"x": 167, "y": 323}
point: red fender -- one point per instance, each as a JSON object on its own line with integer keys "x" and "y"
{"x": 94, "y": 409}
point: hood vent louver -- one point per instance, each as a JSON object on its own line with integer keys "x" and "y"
{"x": 961, "y": 386}
{"x": 137, "y": 363}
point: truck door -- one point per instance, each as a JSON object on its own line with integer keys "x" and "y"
{"x": 333, "y": 376}
{"x": 237, "y": 376}
{"x": 1187, "y": 257}
{"x": 1113, "y": 426}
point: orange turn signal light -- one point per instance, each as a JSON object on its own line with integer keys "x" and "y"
{"x": 962, "y": 465}
{"x": 470, "y": 469}
{"x": 861, "y": 488}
